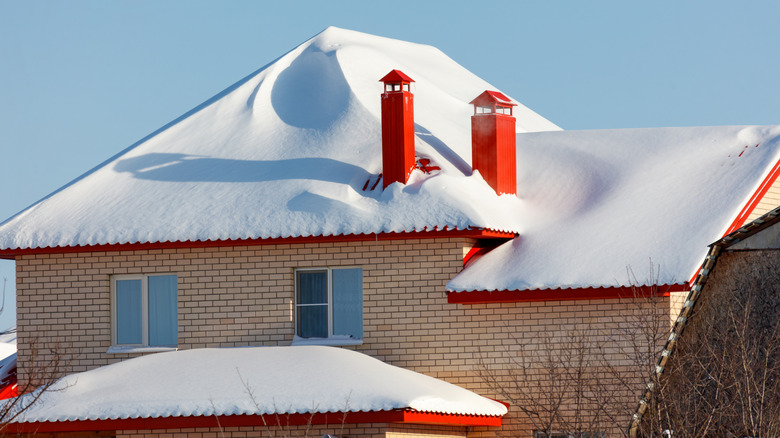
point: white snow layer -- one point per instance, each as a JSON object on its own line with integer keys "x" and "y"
{"x": 597, "y": 205}
{"x": 254, "y": 380}
{"x": 287, "y": 152}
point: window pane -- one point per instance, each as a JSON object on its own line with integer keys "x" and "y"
{"x": 313, "y": 321}
{"x": 312, "y": 287}
{"x": 128, "y": 312}
{"x": 348, "y": 302}
{"x": 162, "y": 310}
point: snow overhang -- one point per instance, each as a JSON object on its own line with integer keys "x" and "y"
{"x": 252, "y": 386}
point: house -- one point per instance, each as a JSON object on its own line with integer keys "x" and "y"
{"x": 283, "y": 212}
{"x": 726, "y": 328}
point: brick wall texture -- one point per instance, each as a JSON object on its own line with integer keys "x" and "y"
{"x": 244, "y": 296}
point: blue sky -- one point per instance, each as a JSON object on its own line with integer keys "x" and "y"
{"x": 82, "y": 80}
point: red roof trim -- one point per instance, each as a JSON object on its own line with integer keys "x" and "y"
{"x": 488, "y": 96}
{"x": 395, "y": 416}
{"x": 751, "y": 204}
{"x": 432, "y": 234}
{"x": 396, "y": 76}
{"x": 585, "y": 293}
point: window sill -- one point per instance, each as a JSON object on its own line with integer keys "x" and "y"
{"x": 326, "y": 341}
{"x": 122, "y": 350}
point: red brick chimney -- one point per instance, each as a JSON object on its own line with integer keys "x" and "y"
{"x": 397, "y": 128}
{"x": 493, "y": 141}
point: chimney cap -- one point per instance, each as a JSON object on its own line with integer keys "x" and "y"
{"x": 492, "y": 97}
{"x": 396, "y": 76}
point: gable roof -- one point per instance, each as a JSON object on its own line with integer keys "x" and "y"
{"x": 490, "y": 97}
{"x": 294, "y": 149}
{"x": 597, "y": 204}
{"x": 276, "y": 381}
{"x": 396, "y": 76}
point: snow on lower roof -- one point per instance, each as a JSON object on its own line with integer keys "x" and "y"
{"x": 599, "y": 203}
{"x": 254, "y": 380}
{"x": 287, "y": 151}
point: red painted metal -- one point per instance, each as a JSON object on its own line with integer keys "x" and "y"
{"x": 397, "y": 128}
{"x": 587, "y": 293}
{"x": 10, "y": 254}
{"x": 751, "y": 204}
{"x": 336, "y": 418}
{"x": 9, "y": 391}
{"x": 493, "y": 142}
{"x": 479, "y": 249}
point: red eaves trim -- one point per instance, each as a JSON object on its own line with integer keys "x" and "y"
{"x": 754, "y": 200}
{"x": 432, "y": 234}
{"x": 586, "y": 293}
{"x": 750, "y": 205}
{"x": 395, "y": 416}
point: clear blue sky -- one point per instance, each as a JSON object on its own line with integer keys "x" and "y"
{"x": 82, "y": 80}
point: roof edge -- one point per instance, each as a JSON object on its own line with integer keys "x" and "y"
{"x": 754, "y": 199}
{"x": 572, "y": 294}
{"x": 408, "y": 416}
{"x": 476, "y": 233}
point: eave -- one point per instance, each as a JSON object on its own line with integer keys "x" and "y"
{"x": 474, "y": 233}
{"x": 407, "y": 416}
{"x": 584, "y": 293}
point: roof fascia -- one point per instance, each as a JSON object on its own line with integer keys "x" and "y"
{"x": 477, "y": 233}
{"x": 583, "y": 293}
{"x": 751, "y": 204}
{"x": 269, "y": 420}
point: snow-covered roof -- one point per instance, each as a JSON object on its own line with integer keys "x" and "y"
{"x": 599, "y": 203}
{"x": 287, "y": 151}
{"x": 294, "y": 149}
{"x": 253, "y": 381}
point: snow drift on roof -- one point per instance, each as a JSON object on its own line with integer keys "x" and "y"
{"x": 287, "y": 151}
{"x": 256, "y": 380}
{"x": 597, "y": 203}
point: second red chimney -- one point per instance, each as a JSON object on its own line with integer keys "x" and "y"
{"x": 397, "y": 128}
{"x": 493, "y": 141}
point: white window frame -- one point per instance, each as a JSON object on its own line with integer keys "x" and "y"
{"x": 331, "y": 339}
{"x": 144, "y": 345}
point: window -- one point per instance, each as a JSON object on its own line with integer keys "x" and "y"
{"x": 329, "y": 304}
{"x": 144, "y": 311}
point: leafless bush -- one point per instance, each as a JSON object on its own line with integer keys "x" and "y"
{"x": 46, "y": 364}
{"x": 724, "y": 378}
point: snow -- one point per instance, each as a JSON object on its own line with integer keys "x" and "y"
{"x": 8, "y": 343}
{"x": 597, "y": 204}
{"x": 286, "y": 152}
{"x": 254, "y": 380}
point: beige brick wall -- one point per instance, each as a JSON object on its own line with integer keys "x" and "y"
{"x": 770, "y": 201}
{"x": 238, "y": 296}
{"x": 348, "y": 430}
{"x": 314, "y": 431}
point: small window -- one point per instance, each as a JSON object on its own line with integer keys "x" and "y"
{"x": 329, "y": 304}
{"x": 144, "y": 311}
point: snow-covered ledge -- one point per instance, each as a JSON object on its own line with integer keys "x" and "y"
{"x": 333, "y": 341}
{"x": 120, "y": 350}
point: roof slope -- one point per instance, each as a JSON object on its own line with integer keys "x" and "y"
{"x": 596, "y": 203}
{"x": 286, "y": 152}
{"x": 255, "y": 380}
